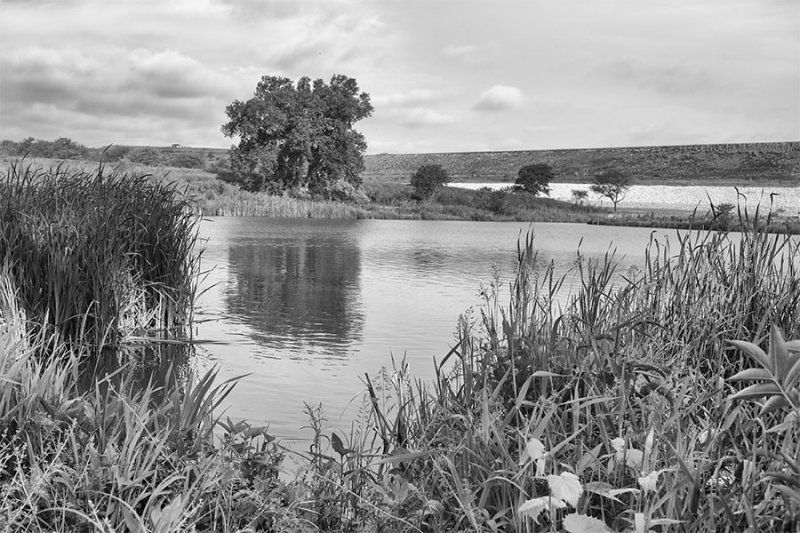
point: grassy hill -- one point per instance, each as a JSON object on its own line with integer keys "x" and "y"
{"x": 721, "y": 164}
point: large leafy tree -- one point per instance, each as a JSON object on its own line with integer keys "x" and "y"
{"x": 300, "y": 135}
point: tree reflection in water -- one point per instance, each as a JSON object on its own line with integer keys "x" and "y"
{"x": 298, "y": 294}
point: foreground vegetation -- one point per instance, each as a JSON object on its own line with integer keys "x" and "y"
{"x": 662, "y": 398}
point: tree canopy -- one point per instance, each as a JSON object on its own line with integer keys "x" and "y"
{"x": 535, "y": 178}
{"x": 612, "y": 184}
{"x": 299, "y": 135}
{"x": 428, "y": 179}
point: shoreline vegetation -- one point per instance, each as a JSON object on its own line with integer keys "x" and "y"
{"x": 209, "y": 195}
{"x": 663, "y": 398}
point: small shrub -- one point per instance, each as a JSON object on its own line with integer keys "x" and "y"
{"x": 144, "y": 156}
{"x": 185, "y": 160}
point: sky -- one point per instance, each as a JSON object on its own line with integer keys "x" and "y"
{"x": 443, "y": 76}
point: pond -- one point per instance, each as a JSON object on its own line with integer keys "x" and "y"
{"x": 306, "y": 307}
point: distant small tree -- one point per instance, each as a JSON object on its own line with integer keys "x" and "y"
{"x": 65, "y": 148}
{"x": 535, "y": 178}
{"x": 612, "y": 184}
{"x": 579, "y": 195}
{"x": 721, "y": 214}
{"x": 428, "y": 179}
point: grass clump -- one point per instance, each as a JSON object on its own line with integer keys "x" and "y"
{"x": 97, "y": 256}
{"x": 116, "y": 457}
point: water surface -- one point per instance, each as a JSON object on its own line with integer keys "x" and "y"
{"x": 305, "y": 307}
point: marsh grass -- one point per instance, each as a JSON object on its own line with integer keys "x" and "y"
{"x": 109, "y": 459}
{"x": 631, "y": 389}
{"x": 98, "y": 256}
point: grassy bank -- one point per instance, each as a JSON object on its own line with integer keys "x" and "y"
{"x": 662, "y": 398}
{"x": 210, "y": 196}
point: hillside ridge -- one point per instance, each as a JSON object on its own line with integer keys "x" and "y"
{"x": 775, "y": 162}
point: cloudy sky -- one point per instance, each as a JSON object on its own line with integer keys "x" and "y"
{"x": 460, "y": 75}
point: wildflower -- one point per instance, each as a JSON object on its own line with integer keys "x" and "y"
{"x": 581, "y": 523}
{"x": 649, "y": 482}
{"x": 534, "y": 450}
{"x": 633, "y": 458}
{"x": 534, "y": 507}
{"x": 566, "y": 487}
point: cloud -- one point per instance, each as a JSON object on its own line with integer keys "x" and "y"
{"x": 469, "y": 54}
{"x": 410, "y": 98}
{"x": 672, "y": 79}
{"x": 47, "y": 89}
{"x": 661, "y": 132}
{"x": 74, "y": 79}
{"x": 499, "y": 98}
{"x": 414, "y": 108}
{"x": 460, "y": 51}
{"x": 283, "y": 9}
{"x": 423, "y": 116}
{"x": 277, "y": 9}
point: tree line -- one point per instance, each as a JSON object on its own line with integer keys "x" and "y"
{"x": 66, "y": 148}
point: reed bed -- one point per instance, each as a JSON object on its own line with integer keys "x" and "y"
{"x": 626, "y": 411}
{"x": 117, "y": 457}
{"x": 98, "y": 256}
{"x": 266, "y": 205}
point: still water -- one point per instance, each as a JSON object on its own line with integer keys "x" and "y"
{"x": 305, "y": 307}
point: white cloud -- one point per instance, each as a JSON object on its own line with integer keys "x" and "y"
{"x": 423, "y": 116}
{"x": 49, "y": 90}
{"x": 499, "y": 98}
{"x": 411, "y": 98}
{"x": 460, "y": 51}
{"x": 415, "y": 108}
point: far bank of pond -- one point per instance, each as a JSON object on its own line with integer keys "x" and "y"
{"x": 643, "y": 206}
